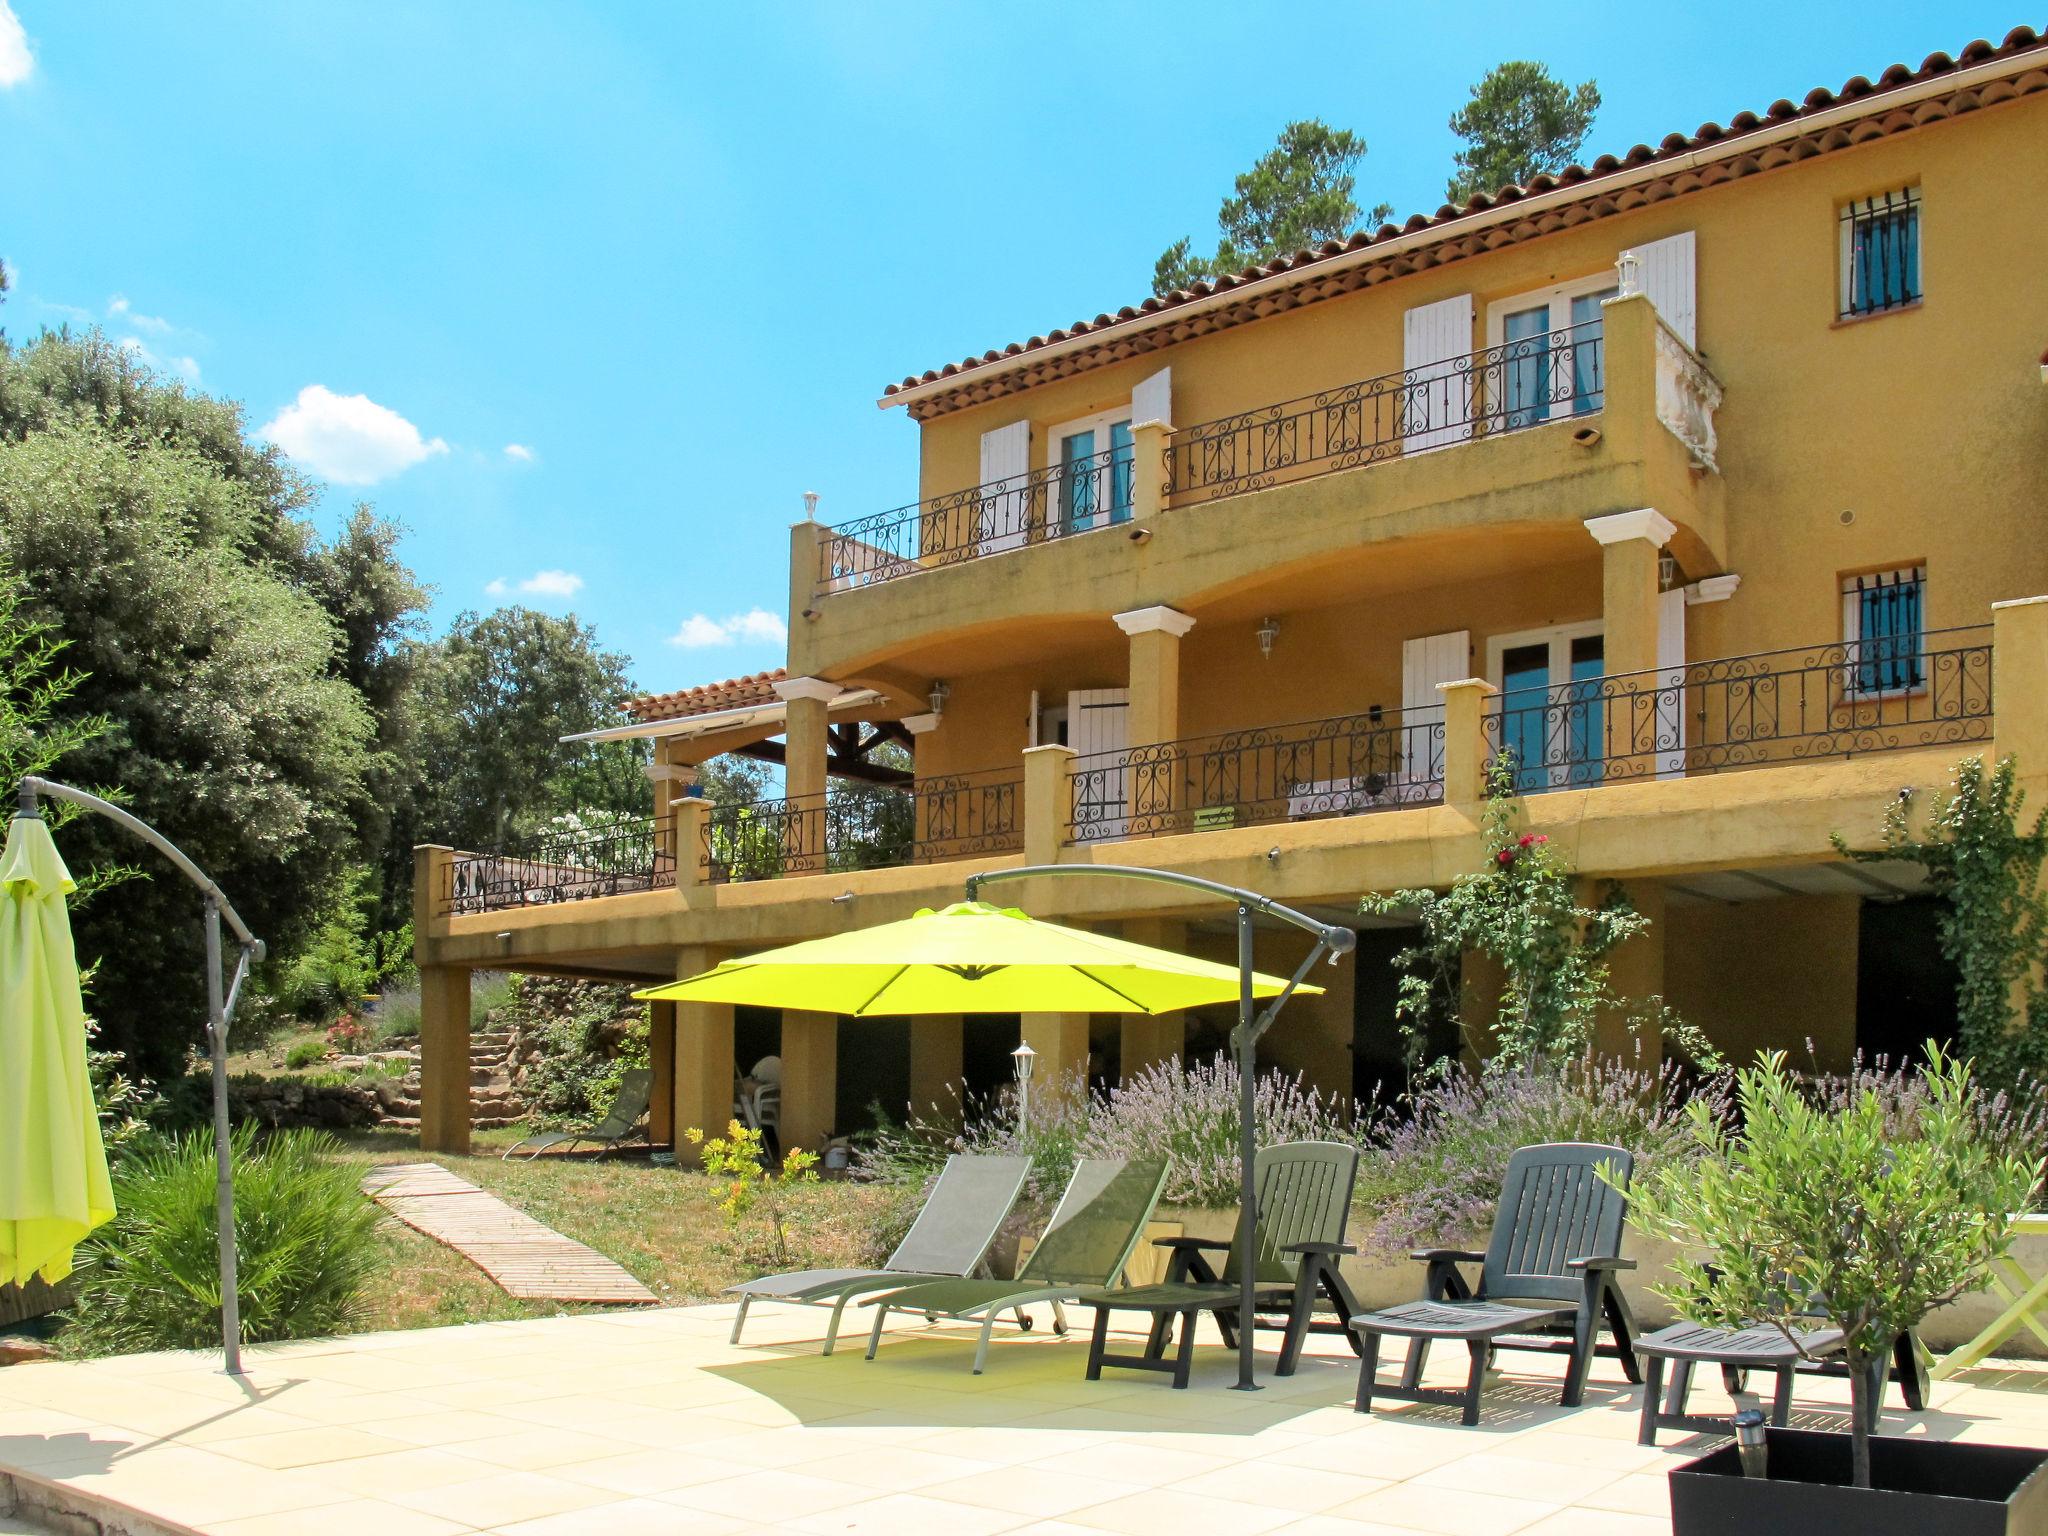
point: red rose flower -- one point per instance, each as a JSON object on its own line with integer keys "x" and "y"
{"x": 1506, "y": 857}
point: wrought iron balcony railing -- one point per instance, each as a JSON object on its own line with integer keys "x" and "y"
{"x": 948, "y": 816}
{"x": 1335, "y": 767}
{"x": 613, "y": 858}
{"x": 1051, "y": 503}
{"x": 1823, "y": 701}
{"x": 1520, "y": 383}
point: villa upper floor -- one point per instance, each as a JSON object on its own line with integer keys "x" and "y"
{"x": 1717, "y": 457}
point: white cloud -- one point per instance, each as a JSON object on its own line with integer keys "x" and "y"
{"x": 757, "y": 626}
{"x": 118, "y": 308}
{"x": 539, "y": 584}
{"x": 16, "y": 62}
{"x": 185, "y": 366}
{"x": 521, "y": 452}
{"x": 349, "y": 439}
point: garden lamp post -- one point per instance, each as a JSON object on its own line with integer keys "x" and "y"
{"x": 222, "y": 994}
{"x": 1331, "y": 940}
{"x": 1025, "y": 1060}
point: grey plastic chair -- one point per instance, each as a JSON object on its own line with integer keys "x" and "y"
{"x": 951, "y": 1237}
{"x": 618, "y": 1124}
{"x": 1086, "y": 1245}
{"x": 1547, "y": 1280}
{"x": 1304, "y": 1204}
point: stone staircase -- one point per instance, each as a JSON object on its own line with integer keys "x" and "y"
{"x": 493, "y": 1101}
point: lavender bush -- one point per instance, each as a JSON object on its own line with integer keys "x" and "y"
{"x": 1434, "y": 1165}
{"x": 2014, "y": 1120}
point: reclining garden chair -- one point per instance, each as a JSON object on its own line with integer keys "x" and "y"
{"x": 1548, "y": 1278}
{"x": 1090, "y": 1238}
{"x": 950, "y": 1238}
{"x": 619, "y": 1123}
{"x": 1304, "y": 1201}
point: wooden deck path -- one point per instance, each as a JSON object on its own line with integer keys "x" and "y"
{"x": 529, "y": 1260}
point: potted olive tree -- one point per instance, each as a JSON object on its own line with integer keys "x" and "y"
{"x": 1807, "y": 1210}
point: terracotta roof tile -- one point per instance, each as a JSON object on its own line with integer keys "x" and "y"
{"x": 2019, "y": 40}
{"x": 708, "y": 698}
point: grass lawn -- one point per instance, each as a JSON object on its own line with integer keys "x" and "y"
{"x": 662, "y": 1224}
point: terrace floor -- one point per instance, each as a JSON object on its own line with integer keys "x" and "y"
{"x": 649, "y": 1422}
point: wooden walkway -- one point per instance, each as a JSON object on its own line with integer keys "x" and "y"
{"x": 530, "y": 1261}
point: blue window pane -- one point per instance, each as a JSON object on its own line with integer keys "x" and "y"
{"x": 1525, "y": 367}
{"x": 1589, "y": 341}
{"x": 1524, "y": 701}
{"x": 1122, "y": 455}
{"x": 1884, "y": 258}
{"x": 1077, "y": 480}
{"x": 1889, "y": 633}
{"x": 1586, "y": 717}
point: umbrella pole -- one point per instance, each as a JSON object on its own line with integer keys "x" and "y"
{"x": 1248, "y": 1153}
{"x": 223, "y": 1150}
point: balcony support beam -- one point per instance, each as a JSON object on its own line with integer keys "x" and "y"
{"x": 444, "y": 1059}
{"x": 938, "y": 1056}
{"x": 808, "y": 734}
{"x": 703, "y": 1057}
{"x": 1155, "y": 635}
{"x": 1630, "y": 543}
{"x": 1635, "y": 971}
{"x": 810, "y": 1079}
{"x": 1148, "y": 1039}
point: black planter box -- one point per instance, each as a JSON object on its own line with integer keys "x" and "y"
{"x": 1918, "y": 1488}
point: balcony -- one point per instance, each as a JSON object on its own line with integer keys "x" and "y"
{"x": 938, "y": 819}
{"x": 613, "y": 857}
{"x": 1343, "y": 766}
{"x": 1795, "y": 706}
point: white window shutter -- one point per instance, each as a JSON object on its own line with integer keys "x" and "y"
{"x": 1005, "y": 514}
{"x": 1671, "y": 702}
{"x": 1669, "y": 280}
{"x": 1098, "y": 720}
{"x": 1005, "y": 452}
{"x": 1438, "y": 398}
{"x": 1152, "y": 399}
{"x": 1425, "y": 662}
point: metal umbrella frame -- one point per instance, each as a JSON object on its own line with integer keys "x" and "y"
{"x": 220, "y": 1008}
{"x": 1331, "y": 940}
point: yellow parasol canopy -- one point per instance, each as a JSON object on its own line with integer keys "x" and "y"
{"x": 971, "y": 957}
{"x": 53, "y": 1167}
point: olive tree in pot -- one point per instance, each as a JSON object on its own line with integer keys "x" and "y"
{"x": 1809, "y": 1209}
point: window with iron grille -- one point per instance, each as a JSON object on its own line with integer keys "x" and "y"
{"x": 1880, "y": 253}
{"x": 1884, "y": 627}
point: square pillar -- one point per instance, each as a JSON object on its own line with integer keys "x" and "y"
{"x": 1155, "y": 635}
{"x": 661, "y": 1066}
{"x": 1144, "y": 1040}
{"x": 1061, "y": 1041}
{"x": 810, "y": 1079}
{"x": 1048, "y": 803}
{"x": 703, "y": 1057}
{"x": 938, "y": 1056}
{"x": 807, "y": 743}
{"x": 1465, "y": 749}
{"x": 1629, "y": 545}
{"x": 1635, "y": 971}
{"x": 444, "y": 1059}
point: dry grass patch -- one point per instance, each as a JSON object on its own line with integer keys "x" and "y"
{"x": 661, "y": 1224}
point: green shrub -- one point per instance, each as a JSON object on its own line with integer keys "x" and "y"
{"x": 489, "y": 992}
{"x": 588, "y": 1034}
{"x": 150, "y": 1278}
{"x": 397, "y": 1016}
{"x": 1811, "y": 1207}
{"x": 304, "y": 1053}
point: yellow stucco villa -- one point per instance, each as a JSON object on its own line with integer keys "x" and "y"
{"x": 1709, "y": 482}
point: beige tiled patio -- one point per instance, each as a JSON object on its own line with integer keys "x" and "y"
{"x": 649, "y": 1422}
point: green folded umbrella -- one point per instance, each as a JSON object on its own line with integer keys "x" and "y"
{"x": 54, "y": 1187}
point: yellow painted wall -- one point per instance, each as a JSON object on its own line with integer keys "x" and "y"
{"x": 1767, "y": 974}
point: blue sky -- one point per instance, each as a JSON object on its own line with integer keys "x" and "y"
{"x": 588, "y": 295}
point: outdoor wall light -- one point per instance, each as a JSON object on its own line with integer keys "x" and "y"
{"x": 1667, "y": 572}
{"x": 939, "y": 694}
{"x": 810, "y": 506}
{"x": 1026, "y": 1059}
{"x": 1269, "y": 631}
{"x": 842, "y": 897}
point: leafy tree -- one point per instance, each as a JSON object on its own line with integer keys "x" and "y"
{"x": 169, "y": 556}
{"x": 496, "y": 695}
{"x": 1522, "y": 122}
{"x": 1810, "y": 1208}
{"x": 1985, "y": 862}
{"x": 1297, "y": 195}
